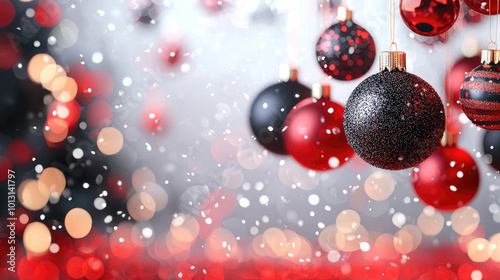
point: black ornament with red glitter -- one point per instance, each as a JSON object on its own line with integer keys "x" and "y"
{"x": 393, "y": 119}
{"x": 480, "y": 92}
{"x": 345, "y": 51}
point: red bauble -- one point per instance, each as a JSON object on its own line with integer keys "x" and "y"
{"x": 456, "y": 75}
{"x": 483, "y": 6}
{"x": 314, "y": 134}
{"x": 429, "y": 17}
{"x": 447, "y": 180}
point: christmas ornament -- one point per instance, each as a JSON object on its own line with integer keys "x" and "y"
{"x": 313, "y": 132}
{"x": 430, "y": 17}
{"x": 455, "y": 76}
{"x": 491, "y": 148}
{"x": 270, "y": 108}
{"x": 448, "y": 179}
{"x": 480, "y": 92}
{"x": 345, "y": 50}
{"x": 484, "y": 7}
{"x": 394, "y": 119}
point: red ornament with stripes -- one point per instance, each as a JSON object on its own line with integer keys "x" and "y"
{"x": 480, "y": 96}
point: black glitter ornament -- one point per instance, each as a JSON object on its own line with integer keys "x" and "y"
{"x": 491, "y": 148}
{"x": 269, "y": 110}
{"x": 345, "y": 51}
{"x": 480, "y": 92}
{"x": 393, "y": 119}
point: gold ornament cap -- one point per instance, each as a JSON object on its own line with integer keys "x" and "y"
{"x": 344, "y": 14}
{"x": 449, "y": 139}
{"x": 490, "y": 56}
{"x": 321, "y": 91}
{"x": 392, "y": 60}
{"x": 288, "y": 73}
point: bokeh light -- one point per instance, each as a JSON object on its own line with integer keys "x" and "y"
{"x": 478, "y": 250}
{"x": 430, "y": 221}
{"x": 36, "y": 238}
{"x": 109, "y": 141}
{"x": 348, "y": 221}
{"x": 379, "y": 185}
{"x": 78, "y": 223}
{"x": 31, "y": 196}
{"x": 141, "y": 206}
{"x": 37, "y": 64}
{"x": 465, "y": 220}
{"x": 52, "y": 180}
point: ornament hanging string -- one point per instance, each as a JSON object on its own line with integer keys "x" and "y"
{"x": 293, "y": 32}
{"x": 449, "y": 93}
{"x": 496, "y": 27}
{"x": 326, "y": 12}
{"x": 392, "y": 25}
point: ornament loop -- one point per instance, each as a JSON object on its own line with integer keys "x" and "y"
{"x": 395, "y": 47}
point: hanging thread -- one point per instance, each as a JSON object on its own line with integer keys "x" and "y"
{"x": 496, "y": 28}
{"x": 392, "y": 25}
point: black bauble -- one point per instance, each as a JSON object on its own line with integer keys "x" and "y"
{"x": 345, "y": 51}
{"x": 269, "y": 110}
{"x": 394, "y": 120}
{"x": 491, "y": 147}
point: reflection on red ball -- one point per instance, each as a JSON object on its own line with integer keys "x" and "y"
{"x": 314, "y": 134}
{"x": 431, "y": 17}
{"x": 447, "y": 180}
{"x": 47, "y": 13}
{"x": 483, "y": 6}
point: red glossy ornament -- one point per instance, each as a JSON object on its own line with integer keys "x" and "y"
{"x": 447, "y": 180}
{"x": 314, "y": 135}
{"x": 483, "y": 6}
{"x": 429, "y": 17}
